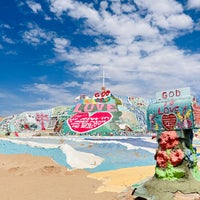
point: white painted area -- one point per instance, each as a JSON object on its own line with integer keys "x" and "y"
{"x": 76, "y": 159}
{"x": 80, "y": 160}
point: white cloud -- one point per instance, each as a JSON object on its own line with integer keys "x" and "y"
{"x": 42, "y": 78}
{"x": 51, "y": 95}
{"x": 178, "y": 22}
{"x": 59, "y": 6}
{"x": 7, "y": 40}
{"x": 164, "y": 7}
{"x": 193, "y": 4}
{"x": 60, "y": 44}
{"x": 11, "y": 52}
{"x": 35, "y": 7}
{"x": 37, "y": 36}
{"x": 7, "y": 26}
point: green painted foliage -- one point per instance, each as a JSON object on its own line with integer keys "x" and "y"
{"x": 169, "y": 173}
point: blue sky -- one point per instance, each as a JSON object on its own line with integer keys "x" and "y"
{"x": 51, "y": 51}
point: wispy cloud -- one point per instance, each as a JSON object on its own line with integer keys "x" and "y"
{"x": 35, "y": 7}
{"x": 7, "y": 40}
{"x": 51, "y": 95}
{"x": 36, "y": 35}
{"x": 60, "y": 45}
{"x": 143, "y": 50}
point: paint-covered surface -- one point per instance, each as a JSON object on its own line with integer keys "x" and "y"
{"x": 173, "y": 115}
{"x": 95, "y": 115}
{"x": 173, "y": 110}
{"x": 102, "y": 114}
{"x": 171, "y": 118}
{"x": 196, "y": 113}
{"x": 94, "y": 154}
{"x": 106, "y": 114}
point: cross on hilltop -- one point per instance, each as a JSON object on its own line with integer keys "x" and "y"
{"x": 103, "y": 79}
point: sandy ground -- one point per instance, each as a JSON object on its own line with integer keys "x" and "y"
{"x": 27, "y": 177}
{"x": 119, "y": 180}
{"x": 33, "y": 177}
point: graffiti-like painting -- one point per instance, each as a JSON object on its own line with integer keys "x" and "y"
{"x": 84, "y": 122}
{"x": 173, "y": 111}
{"x": 96, "y": 115}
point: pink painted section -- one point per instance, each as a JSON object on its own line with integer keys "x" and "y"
{"x": 162, "y": 159}
{"x": 168, "y": 140}
{"x": 169, "y": 152}
{"x": 196, "y": 112}
{"x": 40, "y": 117}
{"x": 83, "y": 122}
{"x": 176, "y": 157}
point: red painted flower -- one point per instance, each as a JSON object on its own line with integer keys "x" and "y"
{"x": 162, "y": 159}
{"x": 168, "y": 140}
{"x": 176, "y": 157}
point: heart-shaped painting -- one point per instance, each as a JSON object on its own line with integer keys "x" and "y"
{"x": 83, "y": 122}
{"x": 169, "y": 121}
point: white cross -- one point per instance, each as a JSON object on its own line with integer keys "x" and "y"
{"x": 103, "y": 78}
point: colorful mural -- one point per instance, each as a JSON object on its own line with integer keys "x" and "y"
{"x": 108, "y": 114}
{"x": 178, "y": 112}
{"x": 97, "y": 115}
{"x": 173, "y": 117}
{"x": 196, "y": 113}
{"x": 102, "y": 114}
{"x": 36, "y": 120}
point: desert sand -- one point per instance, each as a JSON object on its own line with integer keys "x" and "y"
{"x": 30, "y": 177}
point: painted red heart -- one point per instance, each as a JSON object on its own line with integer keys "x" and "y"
{"x": 83, "y": 122}
{"x": 169, "y": 121}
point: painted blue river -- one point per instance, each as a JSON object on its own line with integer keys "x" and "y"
{"x": 117, "y": 152}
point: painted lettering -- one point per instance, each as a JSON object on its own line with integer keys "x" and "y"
{"x": 167, "y": 110}
{"x": 159, "y": 112}
{"x": 111, "y": 108}
{"x": 164, "y": 95}
{"x": 89, "y": 107}
{"x": 102, "y": 94}
{"x": 94, "y": 107}
{"x": 171, "y": 94}
{"x": 77, "y": 108}
{"x": 178, "y": 93}
{"x": 100, "y": 106}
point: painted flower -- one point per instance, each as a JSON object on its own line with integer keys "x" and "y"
{"x": 162, "y": 159}
{"x": 176, "y": 157}
{"x": 168, "y": 140}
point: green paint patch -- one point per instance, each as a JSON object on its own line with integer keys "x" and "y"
{"x": 196, "y": 173}
{"x": 169, "y": 173}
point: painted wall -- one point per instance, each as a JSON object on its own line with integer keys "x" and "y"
{"x": 102, "y": 114}
{"x": 173, "y": 110}
{"x": 105, "y": 113}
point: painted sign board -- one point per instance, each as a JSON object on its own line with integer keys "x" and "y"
{"x": 171, "y": 115}
{"x": 173, "y": 94}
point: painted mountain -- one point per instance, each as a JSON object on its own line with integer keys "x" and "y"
{"x": 102, "y": 114}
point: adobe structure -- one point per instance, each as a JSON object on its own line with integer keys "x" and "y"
{"x": 173, "y": 117}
